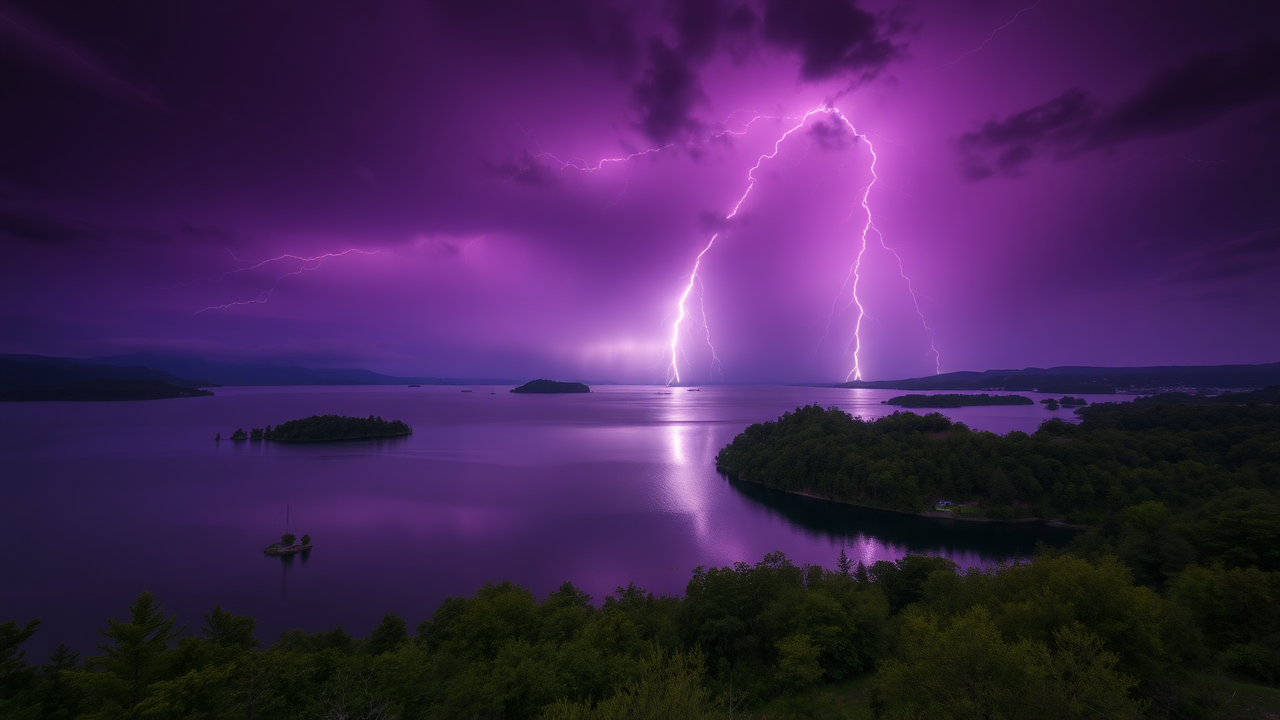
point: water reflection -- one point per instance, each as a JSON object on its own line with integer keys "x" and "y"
{"x": 880, "y": 533}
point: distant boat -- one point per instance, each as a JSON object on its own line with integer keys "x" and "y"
{"x": 694, "y": 390}
{"x": 415, "y": 386}
{"x": 466, "y": 391}
{"x": 294, "y": 545}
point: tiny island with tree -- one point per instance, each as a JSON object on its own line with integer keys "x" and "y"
{"x": 551, "y": 386}
{"x": 955, "y": 400}
{"x": 324, "y": 428}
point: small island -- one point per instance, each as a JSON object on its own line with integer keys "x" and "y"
{"x": 955, "y": 400}
{"x": 551, "y": 386}
{"x": 325, "y": 428}
{"x": 288, "y": 545}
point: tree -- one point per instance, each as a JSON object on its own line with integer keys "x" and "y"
{"x": 217, "y": 437}
{"x": 288, "y": 538}
{"x": 390, "y": 634}
{"x": 136, "y": 657}
{"x": 798, "y": 666}
{"x": 844, "y": 564}
{"x": 227, "y": 630}
{"x": 962, "y": 670}
{"x": 15, "y": 676}
{"x": 58, "y": 698}
{"x": 306, "y": 539}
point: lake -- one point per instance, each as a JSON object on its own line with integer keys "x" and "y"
{"x": 99, "y": 501}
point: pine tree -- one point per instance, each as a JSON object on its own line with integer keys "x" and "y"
{"x": 136, "y": 657}
{"x": 844, "y": 564}
{"x": 15, "y": 676}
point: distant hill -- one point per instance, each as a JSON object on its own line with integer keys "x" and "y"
{"x": 260, "y": 374}
{"x": 101, "y": 390}
{"x": 1082, "y": 379}
{"x": 36, "y": 371}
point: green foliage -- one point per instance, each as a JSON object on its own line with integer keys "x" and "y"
{"x": 390, "y": 634}
{"x": 226, "y": 630}
{"x": 15, "y": 677}
{"x": 964, "y": 667}
{"x": 136, "y": 655}
{"x": 956, "y": 400}
{"x": 288, "y": 538}
{"x": 1214, "y": 468}
{"x": 239, "y": 435}
{"x": 665, "y": 685}
{"x": 306, "y": 539}
{"x": 332, "y": 428}
{"x": 1060, "y": 637}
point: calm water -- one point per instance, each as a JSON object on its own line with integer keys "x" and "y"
{"x": 101, "y": 500}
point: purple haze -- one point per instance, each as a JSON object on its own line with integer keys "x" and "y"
{"x": 1065, "y": 183}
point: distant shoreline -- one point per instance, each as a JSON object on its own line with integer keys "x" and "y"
{"x": 934, "y": 514}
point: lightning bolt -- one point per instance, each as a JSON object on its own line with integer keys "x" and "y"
{"x": 308, "y": 264}
{"x": 990, "y": 37}
{"x": 682, "y": 313}
{"x": 673, "y": 371}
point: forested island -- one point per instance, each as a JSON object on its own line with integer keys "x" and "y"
{"x": 1062, "y": 636}
{"x": 325, "y": 428}
{"x": 101, "y": 390}
{"x": 551, "y": 386}
{"x": 956, "y": 400}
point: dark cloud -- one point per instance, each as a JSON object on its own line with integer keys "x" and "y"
{"x": 666, "y": 96}
{"x": 39, "y": 229}
{"x": 700, "y": 24}
{"x": 1256, "y": 252}
{"x": 27, "y": 37}
{"x": 834, "y": 38}
{"x": 1203, "y": 89}
{"x": 599, "y": 30}
{"x": 214, "y": 235}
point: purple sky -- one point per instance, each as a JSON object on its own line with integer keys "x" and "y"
{"x": 1063, "y": 182}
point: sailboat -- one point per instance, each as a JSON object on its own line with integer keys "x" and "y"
{"x": 289, "y": 544}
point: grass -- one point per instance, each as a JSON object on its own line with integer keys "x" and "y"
{"x": 849, "y": 700}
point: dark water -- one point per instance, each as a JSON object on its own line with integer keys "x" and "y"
{"x": 99, "y": 501}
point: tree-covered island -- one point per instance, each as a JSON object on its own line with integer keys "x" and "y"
{"x": 956, "y": 400}
{"x": 551, "y": 387}
{"x": 325, "y": 428}
{"x": 1163, "y": 482}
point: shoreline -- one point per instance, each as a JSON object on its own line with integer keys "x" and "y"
{"x": 932, "y": 514}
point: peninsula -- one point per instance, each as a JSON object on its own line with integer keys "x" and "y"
{"x": 551, "y": 386}
{"x": 956, "y": 400}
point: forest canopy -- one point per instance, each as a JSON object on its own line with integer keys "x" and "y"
{"x": 332, "y": 428}
{"x": 955, "y": 400}
{"x": 1059, "y": 637}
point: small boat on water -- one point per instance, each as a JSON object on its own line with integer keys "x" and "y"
{"x": 289, "y": 543}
